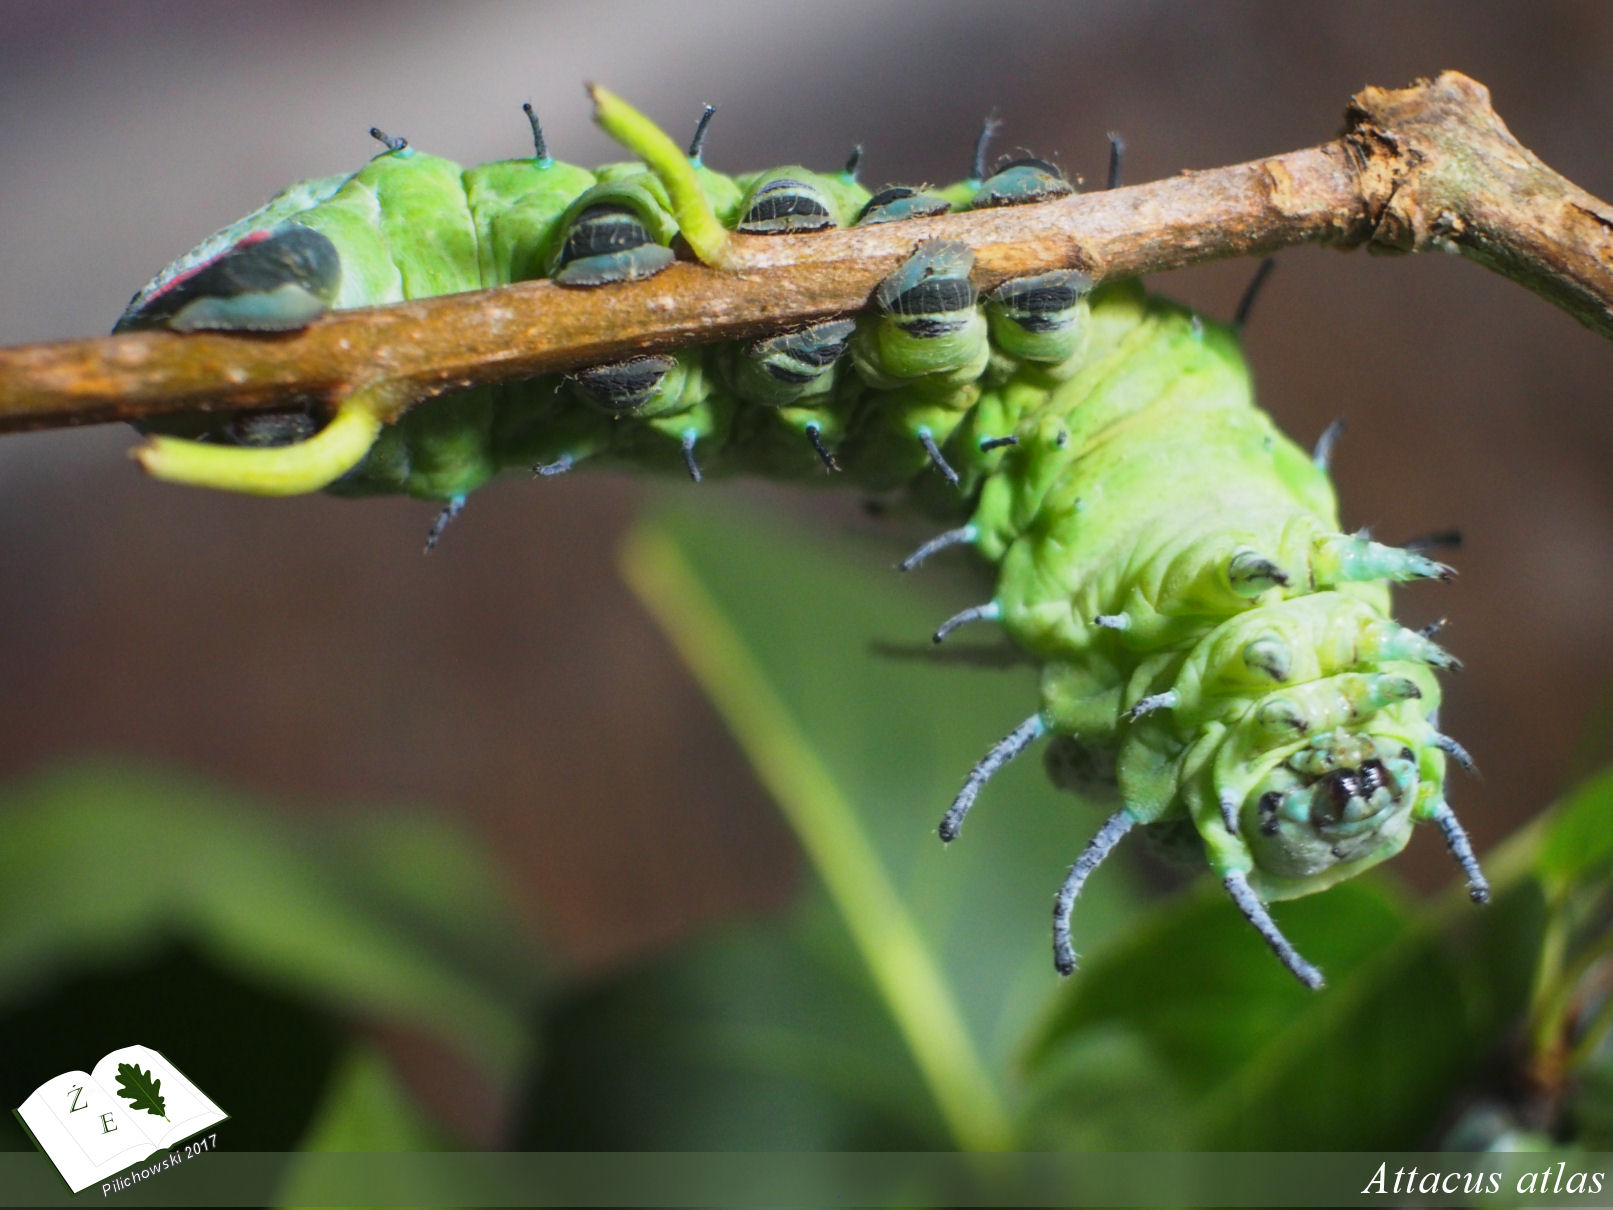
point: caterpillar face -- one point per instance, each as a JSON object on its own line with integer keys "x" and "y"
{"x": 1213, "y": 649}
{"x": 1339, "y": 801}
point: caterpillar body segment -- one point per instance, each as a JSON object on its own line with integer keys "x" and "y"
{"x": 1172, "y": 561}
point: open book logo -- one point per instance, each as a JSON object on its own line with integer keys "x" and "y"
{"x": 132, "y": 1108}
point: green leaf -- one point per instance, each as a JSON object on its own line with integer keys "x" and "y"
{"x": 366, "y": 1110}
{"x": 818, "y": 657}
{"x": 1417, "y": 995}
{"x": 1576, "y": 844}
{"x": 395, "y": 916}
{"x": 141, "y": 1090}
{"x": 753, "y": 1038}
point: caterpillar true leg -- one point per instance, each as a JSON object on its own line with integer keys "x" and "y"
{"x": 1478, "y": 887}
{"x": 689, "y": 438}
{"x": 927, "y": 440}
{"x": 1155, "y": 701}
{"x": 991, "y": 611}
{"x": 815, "y": 435}
{"x": 1456, "y": 752}
{"x": 444, "y": 519}
{"x": 961, "y": 536}
{"x": 1010, "y": 746}
{"x": 1229, "y": 813}
{"x": 1099, "y": 847}
{"x": 1255, "y": 913}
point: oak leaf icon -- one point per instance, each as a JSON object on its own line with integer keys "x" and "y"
{"x": 141, "y": 1090}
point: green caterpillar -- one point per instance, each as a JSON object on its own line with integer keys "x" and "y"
{"x": 1171, "y": 560}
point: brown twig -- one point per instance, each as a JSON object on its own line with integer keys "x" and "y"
{"x": 1426, "y": 167}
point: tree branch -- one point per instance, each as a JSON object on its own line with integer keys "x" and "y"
{"x": 1426, "y": 167}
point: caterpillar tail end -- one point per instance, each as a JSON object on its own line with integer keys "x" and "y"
{"x": 288, "y": 470}
{"x": 691, "y": 208}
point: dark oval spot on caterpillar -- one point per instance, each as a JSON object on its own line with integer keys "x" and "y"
{"x": 897, "y": 203}
{"x": 937, "y": 295}
{"x": 1020, "y": 182}
{"x": 784, "y": 206}
{"x": 623, "y": 387}
{"x": 1269, "y": 802}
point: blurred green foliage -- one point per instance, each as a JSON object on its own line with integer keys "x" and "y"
{"x": 906, "y": 1002}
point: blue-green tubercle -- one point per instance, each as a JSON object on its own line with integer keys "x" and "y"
{"x": 1172, "y": 561}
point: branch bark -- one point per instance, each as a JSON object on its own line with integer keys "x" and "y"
{"x": 1430, "y": 167}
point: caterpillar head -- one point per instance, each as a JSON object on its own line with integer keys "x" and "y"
{"x": 1321, "y": 780}
{"x": 1342, "y": 801}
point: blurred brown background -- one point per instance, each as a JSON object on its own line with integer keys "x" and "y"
{"x": 304, "y": 648}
